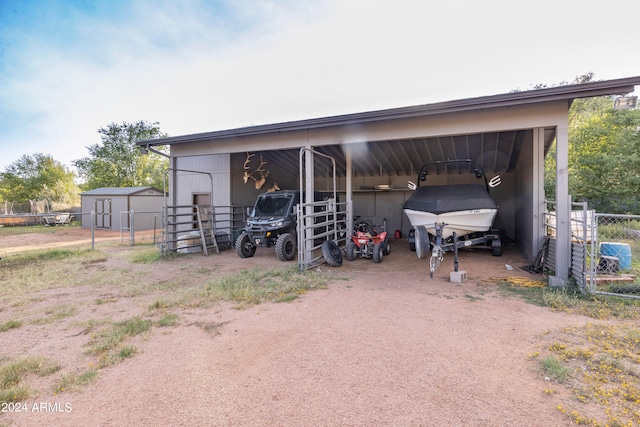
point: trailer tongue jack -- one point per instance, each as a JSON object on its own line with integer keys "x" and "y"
{"x": 488, "y": 240}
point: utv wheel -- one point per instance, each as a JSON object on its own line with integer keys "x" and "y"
{"x": 244, "y": 247}
{"x": 422, "y": 242}
{"x": 286, "y": 247}
{"x": 350, "y": 251}
{"x": 331, "y": 253}
{"x": 377, "y": 253}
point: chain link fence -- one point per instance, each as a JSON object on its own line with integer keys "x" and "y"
{"x": 615, "y": 268}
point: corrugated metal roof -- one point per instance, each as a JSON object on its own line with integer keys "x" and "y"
{"x": 118, "y": 191}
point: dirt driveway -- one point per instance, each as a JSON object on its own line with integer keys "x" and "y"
{"x": 383, "y": 345}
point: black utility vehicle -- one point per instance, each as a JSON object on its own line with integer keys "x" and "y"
{"x": 272, "y": 222}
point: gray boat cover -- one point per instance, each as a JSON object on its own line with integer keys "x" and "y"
{"x": 439, "y": 199}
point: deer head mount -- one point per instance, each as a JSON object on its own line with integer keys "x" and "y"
{"x": 260, "y": 171}
{"x": 273, "y": 188}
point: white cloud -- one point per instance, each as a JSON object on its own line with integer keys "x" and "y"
{"x": 195, "y": 68}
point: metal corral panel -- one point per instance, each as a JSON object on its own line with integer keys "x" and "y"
{"x": 578, "y": 257}
{"x": 550, "y": 260}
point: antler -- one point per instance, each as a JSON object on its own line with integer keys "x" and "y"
{"x": 264, "y": 173}
{"x": 247, "y": 174}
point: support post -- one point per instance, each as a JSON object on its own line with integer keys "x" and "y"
{"x": 563, "y": 208}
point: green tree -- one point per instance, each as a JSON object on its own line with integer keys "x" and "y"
{"x": 604, "y": 157}
{"x": 117, "y": 161}
{"x": 604, "y": 154}
{"x": 39, "y": 177}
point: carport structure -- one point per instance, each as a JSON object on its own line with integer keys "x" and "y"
{"x": 377, "y": 152}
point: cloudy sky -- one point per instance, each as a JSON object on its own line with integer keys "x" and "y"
{"x": 71, "y": 67}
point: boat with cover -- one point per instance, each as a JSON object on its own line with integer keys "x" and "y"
{"x": 461, "y": 207}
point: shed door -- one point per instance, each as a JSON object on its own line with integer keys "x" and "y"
{"x": 103, "y": 213}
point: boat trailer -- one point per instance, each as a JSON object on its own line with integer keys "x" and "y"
{"x": 486, "y": 240}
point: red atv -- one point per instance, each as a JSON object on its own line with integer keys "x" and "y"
{"x": 367, "y": 243}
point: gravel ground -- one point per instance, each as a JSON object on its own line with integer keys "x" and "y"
{"x": 383, "y": 345}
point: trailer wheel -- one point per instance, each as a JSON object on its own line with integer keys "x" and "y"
{"x": 412, "y": 240}
{"x": 286, "y": 247}
{"x": 244, "y": 247}
{"x": 331, "y": 253}
{"x": 422, "y": 242}
{"x": 496, "y": 247}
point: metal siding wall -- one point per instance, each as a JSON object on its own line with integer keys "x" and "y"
{"x": 119, "y": 204}
{"x": 88, "y": 204}
{"x": 188, "y": 184}
{"x": 146, "y": 210}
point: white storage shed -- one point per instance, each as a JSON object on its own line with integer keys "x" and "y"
{"x": 113, "y": 208}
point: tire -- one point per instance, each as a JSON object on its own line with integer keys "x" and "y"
{"x": 331, "y": 253}
{"x": 412, "y": 240}
{"x": 286, "y": 247}
{"x": 496, "y": 247}
{"x": 244, "y": 247}
{"x": 377, "y": 253}
{"x": 386, "y": 247}
{"x": 350, "y": 251}
{"x": 422, "y": 242}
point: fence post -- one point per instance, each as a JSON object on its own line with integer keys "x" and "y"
{"x": 93, "y": 229}
{"x": 132, "y": 238}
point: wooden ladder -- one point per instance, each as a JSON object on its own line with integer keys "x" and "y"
{"x": 207, "y": 229}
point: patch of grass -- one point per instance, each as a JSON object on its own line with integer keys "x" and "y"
{"x": 159, "y": 304}
{"x": 472, "y": 298}
{"x": 532, "y": 295}
{"x": 36, "y": 229}
{"x": 42, "y": 255}
{"x": 109, "y": 338}
{"x": 116, "y": 355}
{"x": 14, "y": 373}
{"x": 56, "y": 313}
{"x": 168, "y": 320}
{"x": 10, "y": 324}
{"x": 16, "y": 393}
{"x": 147, "y": 255}
{"x": 72, "y": 382}
{"x": 553, "y": 368}
{"x": 604, "y": 359}
{"x": 572, "y": 301}
{"x": 251, "y": 287}
{"x": 23, "y": 274}
{"x": 90, "y": 325}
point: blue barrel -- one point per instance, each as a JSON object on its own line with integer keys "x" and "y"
{"x": 622, "y": 251}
